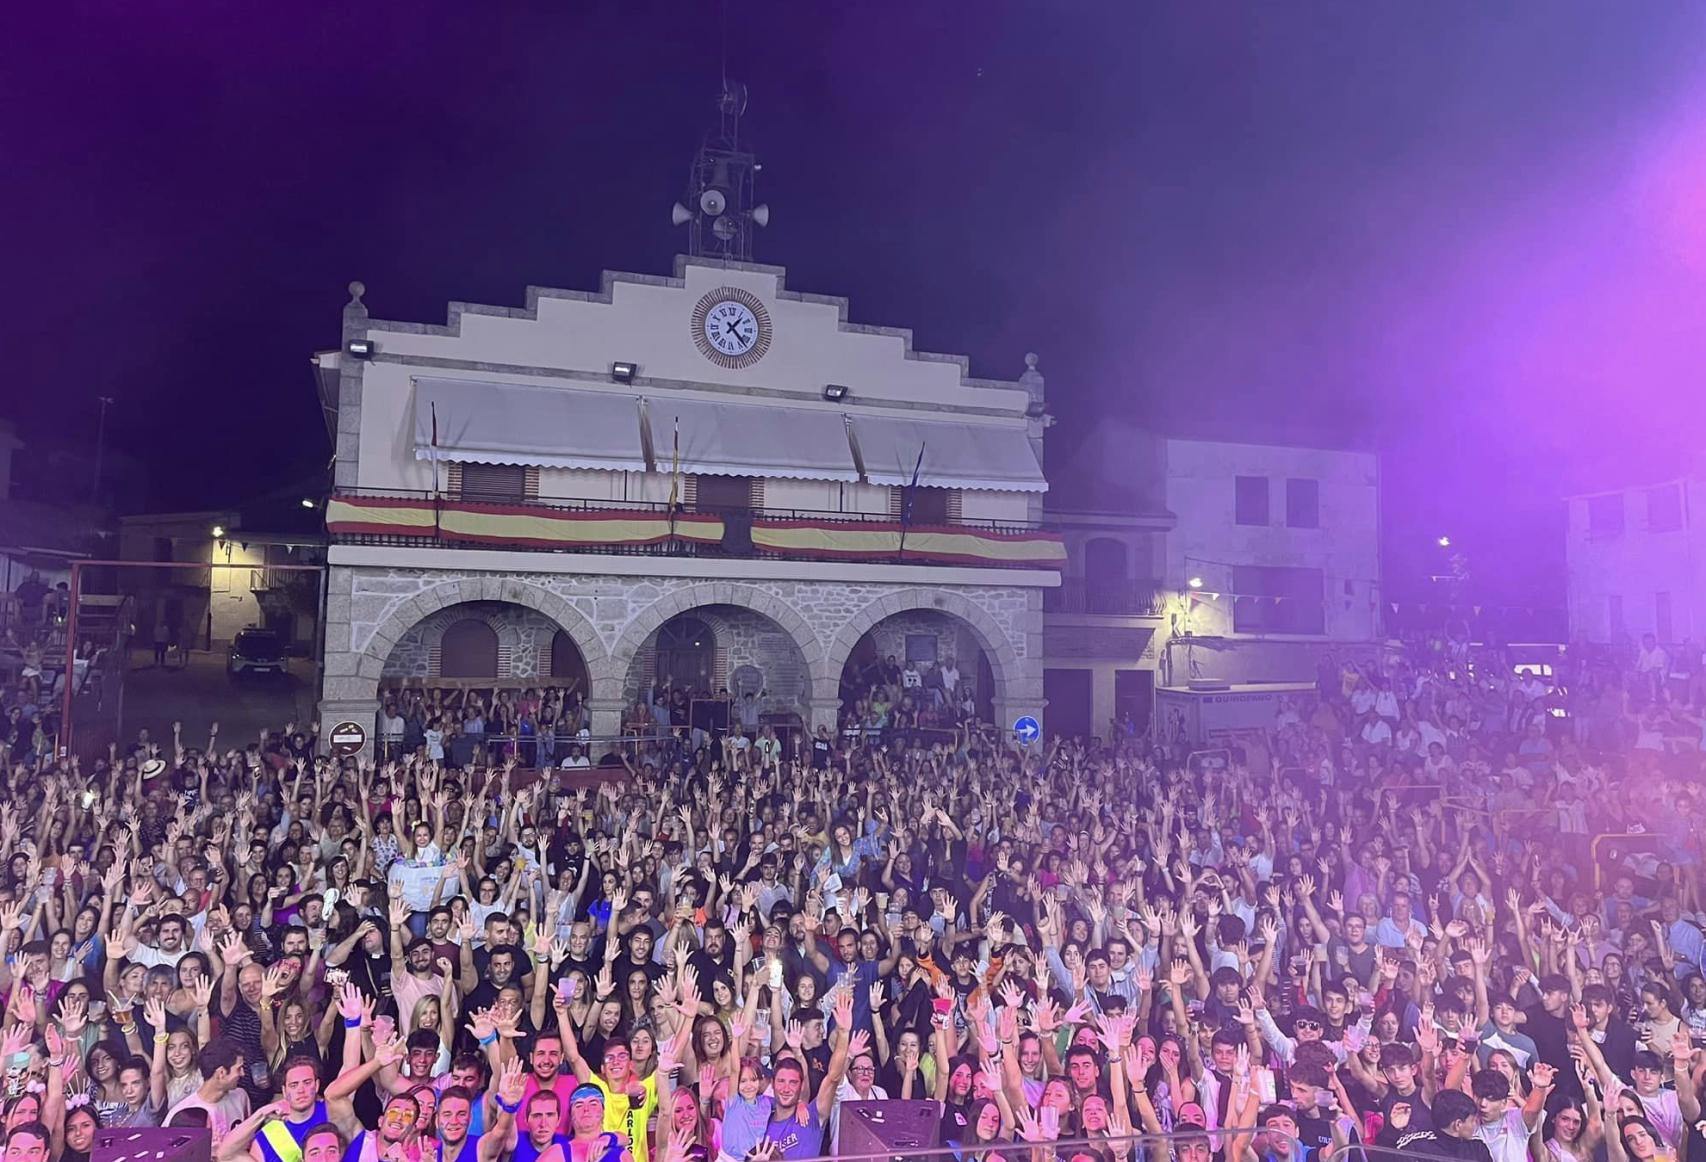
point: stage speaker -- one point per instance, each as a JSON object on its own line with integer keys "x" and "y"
{"x": 893, "y": 1129}
{"x": 186, "y": 1144}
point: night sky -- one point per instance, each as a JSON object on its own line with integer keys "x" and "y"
{"x": 1467, "y": 235}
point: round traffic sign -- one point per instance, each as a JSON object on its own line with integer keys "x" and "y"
{"x": 346, "y": 739}
{"x": 1026, "y": 729}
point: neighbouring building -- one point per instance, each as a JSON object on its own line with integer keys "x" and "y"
{"x": 1206, "y": 562}
{"x": 226, "y": 578}
{"x": 706, "y": 478}
{"x": 1637, "y": 563}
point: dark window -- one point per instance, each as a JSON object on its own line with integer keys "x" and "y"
{"x": 469, "y": 649}
{"x": 494, "y": 482}
{"x": 686, "y": 651}
{"x": 1252, "y": 500}
{"x": 922, "y": 647}
{"x": 162, "y": 548}
{"x": 1605, "y": 515}
{"x": 566, "y": 661}
{"x": 1662, "y": 626}
{"x": 721, "y": 493}
{"x": 1278, "y": 599}
{"x": 1664, "y": 509}
{"x": 1614, "y": 613}
{"x": 1303, "y": 504}
{"x": 929, "y": 505}
{"x": 1106, "y": 589}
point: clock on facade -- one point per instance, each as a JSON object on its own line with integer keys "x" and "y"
{"x": 731, "y": 327}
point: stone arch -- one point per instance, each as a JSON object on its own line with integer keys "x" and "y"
{"x": 1004, "y": 661}
{"x": 486, "y": 588}
{"x": 691, "y": 597}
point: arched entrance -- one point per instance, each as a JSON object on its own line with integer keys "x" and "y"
{"x": 1005, "y": 683}
{"x": 486, "y": 643}
{"x": 721, "y": 663}
{"x": 923, "y": 663}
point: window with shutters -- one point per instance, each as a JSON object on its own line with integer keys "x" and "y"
{"x": 725, "y": 493}
{"x": 492, "y": 482}
{"x": 930, "y": 506}
{"x": 469, "y": 649}
{"x": 1605, "y": 515}
{"x": 1250, "y": 500}
{"x": 1664, "y": 509}
{"x": 1302, "y": 503}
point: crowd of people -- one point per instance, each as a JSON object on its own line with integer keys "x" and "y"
{"x": 1389, "y": 925}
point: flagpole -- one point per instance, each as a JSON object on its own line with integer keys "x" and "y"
{"x": 437, "y": 532}
{"x": 674, "y": 475}
{"x": 906, "y": 503}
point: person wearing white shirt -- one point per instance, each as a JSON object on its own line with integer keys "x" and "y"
{"x": 860, "y": 1084}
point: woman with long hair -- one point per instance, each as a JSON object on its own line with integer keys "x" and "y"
{"x": 1575, "y": 1131}
{"x": 746, "y": 1114}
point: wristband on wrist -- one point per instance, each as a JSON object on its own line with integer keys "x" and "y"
{"x": 487, "y": 1040}
{"x": 352, "y": 1022}
{"x": 505, "y": 1106}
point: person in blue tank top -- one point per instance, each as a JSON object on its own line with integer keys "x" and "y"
{"x": 455, "y": 1116}
{"x": 541, "y": 1118}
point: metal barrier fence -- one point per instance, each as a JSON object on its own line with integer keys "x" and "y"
{"x": 1197, "y": 1146}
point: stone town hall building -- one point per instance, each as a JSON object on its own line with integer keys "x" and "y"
{"x": 707, "y": 477}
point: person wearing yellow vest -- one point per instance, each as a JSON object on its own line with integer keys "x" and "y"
{"x": 278, "y": 1131}
{"x": 629, "y": 1101}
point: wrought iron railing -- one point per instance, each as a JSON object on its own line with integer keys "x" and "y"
{"x": 1124, "y": 598}
{"x": 736, "y": 539}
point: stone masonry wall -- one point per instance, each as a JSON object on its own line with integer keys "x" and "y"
{"x": 524, "y": 640}
{"x": 803, "y": 631}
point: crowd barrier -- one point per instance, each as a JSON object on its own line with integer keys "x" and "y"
{"x": 1182, "y": 1147}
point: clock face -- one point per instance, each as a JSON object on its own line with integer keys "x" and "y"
{"x": 731, "y": 327}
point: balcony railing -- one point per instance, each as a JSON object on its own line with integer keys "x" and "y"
{"x": 1118, "y": 598}
{"x": 419, "y": 519}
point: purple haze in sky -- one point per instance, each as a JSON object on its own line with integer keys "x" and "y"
{"x": 1468, "y": 235}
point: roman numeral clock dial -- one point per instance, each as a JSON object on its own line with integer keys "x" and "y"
{"x": 731, "y": 327}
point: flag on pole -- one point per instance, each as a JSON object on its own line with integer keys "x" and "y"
{"x": 435, "y": 485}
{"x": 675, "y": 475}
{"x": 907, "y": 496}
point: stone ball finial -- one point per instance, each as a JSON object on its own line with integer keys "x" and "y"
{"x": 1030, "y": 361}
{"x": 357, "y": 288}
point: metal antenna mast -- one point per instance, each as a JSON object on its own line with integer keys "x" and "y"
{"x": 720, "y": 209}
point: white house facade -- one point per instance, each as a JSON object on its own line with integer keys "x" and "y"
{"x": 706, "y": 477}
{"x": 1228, "y": 563}
{"x": 1637, "y": 563}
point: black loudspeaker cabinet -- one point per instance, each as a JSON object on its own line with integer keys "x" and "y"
{"x": 185, "y": 1144}
{"x": 888, "y": 1129}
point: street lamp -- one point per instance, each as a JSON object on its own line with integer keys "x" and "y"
{"x": 1195, "y": 583}
{"x": 1444, "y": 542}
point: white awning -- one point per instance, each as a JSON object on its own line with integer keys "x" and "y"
{"x": 962, "y": 455}
{"x": 480, "y": 422}
{"x": 750, "y": 439}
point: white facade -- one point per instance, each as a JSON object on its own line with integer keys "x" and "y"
{"x": 1637, "y": 563}
{"x": 1126, "y": 619}
{"x": 1286, "y": 568}
{"x": 682, "y": 423}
